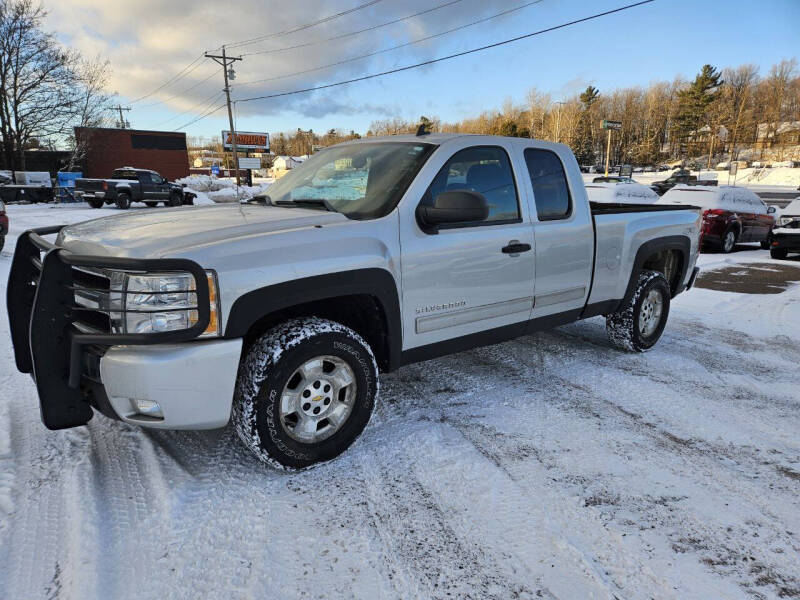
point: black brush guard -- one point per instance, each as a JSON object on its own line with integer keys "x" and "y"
{"x": 43, "y": 313}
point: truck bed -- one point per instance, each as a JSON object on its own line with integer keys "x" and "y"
{"x": 608, "y": 208}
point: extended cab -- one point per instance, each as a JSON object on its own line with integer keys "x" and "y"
{"x": 128, "y": 185}
{"x": 371, "y": 255}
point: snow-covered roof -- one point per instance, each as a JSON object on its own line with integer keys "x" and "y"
{"x": 722, "y": 197}
{"x": 622, "y": 192}
{"x": 782, "y": 127}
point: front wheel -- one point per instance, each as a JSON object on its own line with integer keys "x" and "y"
{"x": 174, "y": 200}
{"x": 778, "y": 253}
{"x": 638, "y": 325}
{"x": 304, "y": 392}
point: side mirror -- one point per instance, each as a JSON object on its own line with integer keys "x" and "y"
{"x": 771, "y": 210}
{"x": 456, "y": 206}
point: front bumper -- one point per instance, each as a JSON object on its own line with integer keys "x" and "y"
{"x": 192, "y": 383}
{"x": 64, "y": 344}
{"x": 789, "y": 241}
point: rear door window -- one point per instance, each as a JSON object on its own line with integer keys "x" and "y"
{"x": 549, "y": 182}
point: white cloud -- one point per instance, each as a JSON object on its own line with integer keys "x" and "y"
{"x": 149, "y": 41}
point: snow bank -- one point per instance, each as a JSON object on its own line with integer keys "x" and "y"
{"x": 222, "y": 190}
{"x": 623, "y": 192}
{"x": 723, "y": 197}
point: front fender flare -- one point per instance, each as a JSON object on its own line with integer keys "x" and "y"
{"x": 378, "y": 283}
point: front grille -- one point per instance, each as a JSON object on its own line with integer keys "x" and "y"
{"x": 91, "y": 290}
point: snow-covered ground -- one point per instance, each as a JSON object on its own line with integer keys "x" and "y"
{"x": 552, "y": 466}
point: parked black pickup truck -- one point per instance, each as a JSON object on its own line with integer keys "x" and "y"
{"x": 662, "y": 187}
{"x": 128, "y": 185}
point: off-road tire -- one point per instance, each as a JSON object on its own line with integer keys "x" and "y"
{"x": 271, "y": 362}
{"x": 779, "y": 253}
{"x": 123, "y": 201}
{"x": 151, "y": 204}
{"x": 95, "y": 203}
{"x": 623, "y": 327}
{"x": 174, "y": 200}
{"x": 728, "y": 247}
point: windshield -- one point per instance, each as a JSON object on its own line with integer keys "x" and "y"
{"x": 361, "y": 181}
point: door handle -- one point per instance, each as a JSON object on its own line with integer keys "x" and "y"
{"x": 515, "y": 247}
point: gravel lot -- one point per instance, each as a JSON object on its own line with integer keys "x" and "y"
{"x": 552, "y": 466}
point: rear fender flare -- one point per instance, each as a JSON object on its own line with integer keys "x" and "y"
{"x": 681, "y": 243}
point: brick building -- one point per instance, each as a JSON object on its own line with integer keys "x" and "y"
{"x": 109, "y": 149}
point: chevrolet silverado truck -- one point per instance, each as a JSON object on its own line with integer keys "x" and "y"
{"x": 373, "y": 254}
{"x": 128, "y": 185}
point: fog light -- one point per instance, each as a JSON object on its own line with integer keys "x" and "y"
{"x": 147, "y": 408}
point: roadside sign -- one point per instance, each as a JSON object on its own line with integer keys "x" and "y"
{"x": 626, "y": 171}
{"x": 215, "y": 170}
{"x": 246, "y": 140}
{"x": 249, "y": 163}
{"x": 734, "y": 167}
{"x": 606, "y": 124}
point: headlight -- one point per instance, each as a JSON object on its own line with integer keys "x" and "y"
{"x": 785, "y": 220}
{"x": 150, "y": 303}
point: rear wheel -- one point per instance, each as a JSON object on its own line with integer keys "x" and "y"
{"x": 764, "y": 244}
{"x": 2, "y": 241}
{"x": 123, "y": 201}
{"x": 95, "y": 202}
{"x": 304, "y": 393}
{"x": 778, "y": 253}
{"x": 729, "y": 240}
{"x": 638, "y": 325}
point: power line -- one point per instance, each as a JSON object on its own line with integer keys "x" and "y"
{"x": 302, "y": 27}
{"x": 198, "y": 61}
{"x": 201, "y": 117}
{"x": 352, "y": 33}
{"x": 417, "y": 41}
{"x": 181, "y": 93}
{"x": 205, "y": 103}
{"x": 180, "y": 74}
{"x": 451, "y": 56}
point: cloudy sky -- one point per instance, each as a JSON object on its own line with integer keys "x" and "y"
{"x": 149, "y": 42}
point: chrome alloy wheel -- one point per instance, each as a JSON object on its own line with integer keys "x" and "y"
{"x": 317, "y": 399}
{"x": 650, "y": 313}
{"x": 730, "y": 241}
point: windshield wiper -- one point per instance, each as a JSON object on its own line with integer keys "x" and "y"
{"x": 307, "y": 203}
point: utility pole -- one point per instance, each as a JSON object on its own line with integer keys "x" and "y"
{"x": 120, "y": 108}
{"x": 225, "y": 60}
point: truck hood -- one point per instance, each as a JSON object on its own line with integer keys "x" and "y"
{"x": 148, "y": 233}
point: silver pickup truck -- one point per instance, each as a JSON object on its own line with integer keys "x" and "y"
{"x": 280, "y": 314}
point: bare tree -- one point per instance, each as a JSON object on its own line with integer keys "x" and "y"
{"x": 44, "y": 88}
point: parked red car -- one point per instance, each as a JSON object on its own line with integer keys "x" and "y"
{"x": 731, "y": 214}
{"x": 3, "y": 224}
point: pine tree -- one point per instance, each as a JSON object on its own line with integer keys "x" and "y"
{"x": 585, "y": 147}
{"x": 695, "y": 102}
